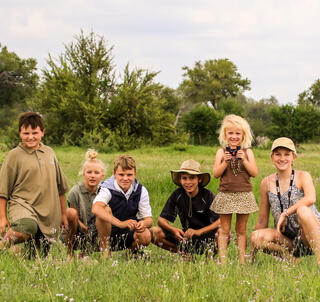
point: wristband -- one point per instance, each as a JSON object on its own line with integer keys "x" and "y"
{"x": 285, "y": 212}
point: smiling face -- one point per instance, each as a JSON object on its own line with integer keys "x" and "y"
{"x": 124, "y": 178}
{"x": 31, "y": 138}
{"x": 283, "y": 158}
{"x": 92, "y": 174}
{"x": 234, "y": 136}
{"x": 190, "y": 183}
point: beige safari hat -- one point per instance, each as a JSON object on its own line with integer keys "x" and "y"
{"x": 285, "y": 143}
{"x": 192, "y": 167}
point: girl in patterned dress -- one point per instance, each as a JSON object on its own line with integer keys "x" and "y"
{"x": 291, "y": 196}
{"x": 234, "y": 165}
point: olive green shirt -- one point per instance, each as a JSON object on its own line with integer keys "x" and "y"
{"x": 81, "y": 199}
{"x": 31, "y": 182}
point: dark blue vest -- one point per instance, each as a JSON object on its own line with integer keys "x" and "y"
{"x": 122, "y": 208}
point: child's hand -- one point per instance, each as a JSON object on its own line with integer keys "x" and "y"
{"x": 130, "y": 224}
{"x": 281, "y": 226}
{"x": 190, "y": 233}
{"x": 178, "y": 233}
{"x": 227, "y": 156}
{"x": 140, "y": 226}
{"x": 4, "y": 223}
{"x": 240, "y": 154}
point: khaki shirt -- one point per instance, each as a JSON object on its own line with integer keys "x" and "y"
{"x": 31, "y": 182}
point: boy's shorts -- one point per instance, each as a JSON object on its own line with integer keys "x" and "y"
{"x": 197, "y": 245}
{"x": 26, "y": 226}
{"x": 37, "y": 241}
{"x": 121, "y": 239}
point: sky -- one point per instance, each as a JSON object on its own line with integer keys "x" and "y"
{"x": 274, "y": 43}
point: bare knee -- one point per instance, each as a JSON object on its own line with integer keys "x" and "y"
{"x": 72, "y": 215}
{"x": 304, "y": 213}
{"x": 143, "y": 238}
{"x": 241, "y": 231}
{"x": 255, "y": 237}
{"x": 224, "y": 231}
{"x": 157, "y": 235}
{"x": 260, "y": 238}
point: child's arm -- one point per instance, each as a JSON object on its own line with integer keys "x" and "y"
{"x": 221, "y": 162}
{"x": 309, "y": 198}
{"x": 100, "y": 209}
{"x": 64, "y": 219}
{"x": 211, "y": 227}
{"x": 164, "y": 223}
{"x": 249, "y": 162}
{"x": 4, "y": 223}
{"x": 143, "y": 224}
{"x": 264, "y": 209}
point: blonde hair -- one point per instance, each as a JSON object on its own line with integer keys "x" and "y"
{"x": 233, "y": 120}
{"x": 124, "y": 161}
{"x": 92, "y": 157}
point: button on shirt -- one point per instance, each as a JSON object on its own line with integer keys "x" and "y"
{"x": 144, "y": 208}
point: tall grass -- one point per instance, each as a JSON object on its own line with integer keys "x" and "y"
{"x": 162, "y": 276}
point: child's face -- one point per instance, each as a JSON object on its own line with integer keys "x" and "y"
{"x": 282, "y": 158}
{"x": 31, "y": 138}
{"x": 234, "y": 136}
{"x": 190, "y": 183}
{"x": 92, "y": 174}
{"x": 124, "y": 178}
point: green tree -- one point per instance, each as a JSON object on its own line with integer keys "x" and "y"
{"x": 311, "y": 95}
{"x": 202, "y": 124}
{"x": 300, "y": 123}
{"x": 76, "y": 90}
{"x": 18, "y": 81}
{"x": 258, "y": 114}
{"x": 231, "y": 105}
{"x": 142, "y": 111}
{"x": 212, "y": 81}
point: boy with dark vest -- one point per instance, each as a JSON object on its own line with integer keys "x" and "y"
{"x": 122, "y": 209}
{"x": 191, "y": 202}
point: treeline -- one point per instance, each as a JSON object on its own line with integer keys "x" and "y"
{"x": 85, "y": 101}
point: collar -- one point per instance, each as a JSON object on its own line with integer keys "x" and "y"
{"x": 83, "y": 189}
{"x": 126, "y": 194}
{"x": 30, "y": 151}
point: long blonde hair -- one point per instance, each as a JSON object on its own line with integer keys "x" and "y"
{"x": 233, "y": 120}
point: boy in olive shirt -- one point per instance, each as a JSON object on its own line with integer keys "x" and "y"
{"x": 32, "y": 187}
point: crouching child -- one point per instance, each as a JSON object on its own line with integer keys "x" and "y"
{"x": 122, "y": 209}
{"x": 191, "y": 202}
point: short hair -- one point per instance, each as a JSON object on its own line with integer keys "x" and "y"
{"x": 233, "y": 120}
{"x": 92, "y": 157}
{"x": 124, "y": 161}
{"x": 32, "y": 119}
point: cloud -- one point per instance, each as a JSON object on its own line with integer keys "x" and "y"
{"x": 273, "y": 43}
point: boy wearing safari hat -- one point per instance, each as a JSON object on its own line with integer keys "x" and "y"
{"x": 191, "y": 201}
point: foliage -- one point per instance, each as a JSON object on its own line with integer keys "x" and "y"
{"x": 138, "y": 110}
{"x": 202, "y": 124}
{"x": 300, "y": 123}
{"x": 212, "y": 81}
{"x": 311, "y": 95}
{"x": 258, "y": 115}
{"x": 84, "y": 104}
{"x": 76, "y": 90}
{"x": 231, "y": 105}
{"x": 18, "y": 81}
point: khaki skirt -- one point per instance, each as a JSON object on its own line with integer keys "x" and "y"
{"x": 234, "y": 202}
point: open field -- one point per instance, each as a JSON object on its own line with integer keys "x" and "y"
{"x": 163, "y": 276}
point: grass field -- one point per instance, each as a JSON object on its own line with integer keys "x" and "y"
{"x": 163, "y": 276}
